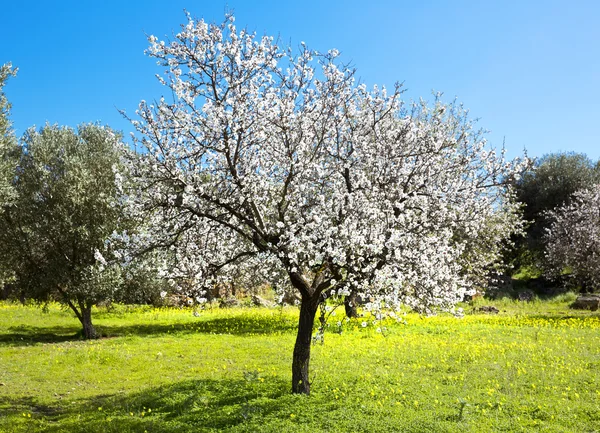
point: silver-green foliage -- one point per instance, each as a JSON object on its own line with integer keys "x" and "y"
{"x": 7, "y": 138}
{"x": 8, "y": 148}
{"x": 55, "y": 234}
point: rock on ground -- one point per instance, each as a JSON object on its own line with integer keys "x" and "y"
{"x": 587, "y": 302}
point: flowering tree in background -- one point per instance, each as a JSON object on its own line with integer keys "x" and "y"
{"x": 573, "y": 239}
{"x": 280, "y": 157}
{"x": 549, "y": 183}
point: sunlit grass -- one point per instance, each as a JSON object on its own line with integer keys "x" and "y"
{"x": 533, "y": 367}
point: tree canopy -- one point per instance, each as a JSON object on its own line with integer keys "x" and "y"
{"x": 8, "y": 153}
{"x": 55, "y": 234}
{"x": 281, "y": 157}
{"x": 7, "y": 138}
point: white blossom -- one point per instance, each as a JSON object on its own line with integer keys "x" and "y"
{"x": 278, "y": 161}
{"x": 573, "y": 239}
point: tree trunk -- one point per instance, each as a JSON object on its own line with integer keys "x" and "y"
{"x": 89, "y": 332}
{"x": 350, "y": 305}
{"x": 83, "y": 313}
{"x": 301, "y": 359}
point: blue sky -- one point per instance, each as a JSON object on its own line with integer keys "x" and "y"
{"x": 530, "y": 70}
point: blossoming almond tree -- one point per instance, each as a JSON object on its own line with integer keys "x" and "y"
{"x": 573, "y": 239}
{"x": 281, "y": 157}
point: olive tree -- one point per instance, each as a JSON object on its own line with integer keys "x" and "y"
{"x": 55, "y": 232}
{"x": 279, "y": 156}
{"x": 8, "y": 152}
{"x": 7, "y": 137}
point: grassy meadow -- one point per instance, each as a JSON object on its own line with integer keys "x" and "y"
{"x": 533, "y": 367}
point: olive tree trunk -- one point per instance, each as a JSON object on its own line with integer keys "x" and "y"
{"x": 84, "y": 314}
{"x": 89, "y": 332}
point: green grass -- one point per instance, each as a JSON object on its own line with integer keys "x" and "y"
{"x": 527, "y": 272}
{"x": 533, "y": 367}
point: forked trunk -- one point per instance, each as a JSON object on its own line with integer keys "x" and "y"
{"x": 301, "y": 359}
{"x": 84, "y": 314}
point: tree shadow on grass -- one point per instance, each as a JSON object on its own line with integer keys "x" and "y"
{"x": 23, "y": 335}
{"x": 16, "y": 405}
{"x": 250, "y": 404}
{"x": 188, "y": 406}
{"x": 244, "y": 324}
{"x": 564, "y": 318}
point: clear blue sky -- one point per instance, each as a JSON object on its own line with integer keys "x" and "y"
{"x": 530, "y": 70}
